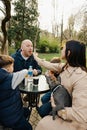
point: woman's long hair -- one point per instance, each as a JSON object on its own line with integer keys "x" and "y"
{"x": 77, "y": 56}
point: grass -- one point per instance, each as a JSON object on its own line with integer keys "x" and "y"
{"x": 48, "y": 56}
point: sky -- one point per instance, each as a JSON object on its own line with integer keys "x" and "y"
{"x": 63, "y": 8}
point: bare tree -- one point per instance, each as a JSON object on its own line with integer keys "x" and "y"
{"x": 7, "y": 17}
{"x": 71, "y": 22}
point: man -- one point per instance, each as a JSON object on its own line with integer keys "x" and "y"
{"x": 23, "y": 58}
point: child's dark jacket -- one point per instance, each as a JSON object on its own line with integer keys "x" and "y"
{"x": 10, "y": 100}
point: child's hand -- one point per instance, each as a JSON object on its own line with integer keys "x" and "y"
{"x": 51, "y": 75}
{"x": 47, "y": 73}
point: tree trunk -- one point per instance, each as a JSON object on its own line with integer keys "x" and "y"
{"x": 4, "y": 43}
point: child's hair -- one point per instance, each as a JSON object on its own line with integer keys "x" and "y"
{"x": 5, "y": 60}
{"x": 55, "y": 60}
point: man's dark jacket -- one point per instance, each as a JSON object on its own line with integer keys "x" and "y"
{"x": 20, "y": 63}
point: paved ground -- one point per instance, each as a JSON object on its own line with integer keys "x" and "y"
{"x": 34, "y": 118}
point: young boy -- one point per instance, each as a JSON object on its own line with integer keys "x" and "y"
{"x": 12, "y": 113}
{"x": 52, "y": 80}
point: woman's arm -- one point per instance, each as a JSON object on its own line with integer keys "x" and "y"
{"x": 48, "y": 65}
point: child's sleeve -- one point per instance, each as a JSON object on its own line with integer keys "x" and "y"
{"x": 18, "y": 77}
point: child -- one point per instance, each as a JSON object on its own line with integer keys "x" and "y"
{"x": 12, "y": 113}
{"x": 52, "y": 80}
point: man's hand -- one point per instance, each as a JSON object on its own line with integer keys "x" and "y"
{"x": 35, "y": 72}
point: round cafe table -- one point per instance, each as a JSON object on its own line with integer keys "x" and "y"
{"x": 35, "y": 91}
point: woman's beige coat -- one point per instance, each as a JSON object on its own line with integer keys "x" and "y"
{"x": 75, "y": 118}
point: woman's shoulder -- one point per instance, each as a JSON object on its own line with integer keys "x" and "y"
{"x": 80, "y": 71}
{"x": 78, "y": 75}
{"x": 72, "y": 71}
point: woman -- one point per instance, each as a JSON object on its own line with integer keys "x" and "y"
{"x": 74, "y": 78}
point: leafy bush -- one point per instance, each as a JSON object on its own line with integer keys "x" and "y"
{"x": 43, "y": 46}
{"x": 48, "y": 44}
